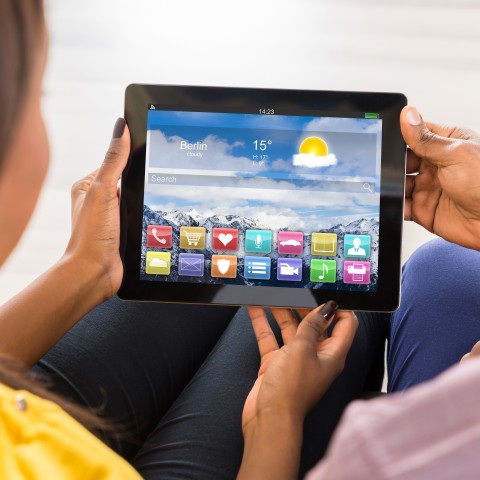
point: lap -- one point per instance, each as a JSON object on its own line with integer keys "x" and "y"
{"x": 130, "y": 361}
{"x": 439, "y": 316}
{"x": 137, "y": 364}
{"x": 201, "y": 436}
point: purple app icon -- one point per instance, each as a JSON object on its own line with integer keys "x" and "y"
{"x": 191, "y": 264}
{"x": 289, "y": 269}
{"x": 356, "y": 272}
{"x": 290, "y": 243}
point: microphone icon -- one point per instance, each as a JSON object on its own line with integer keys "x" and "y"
{"x": 258, "y": 241}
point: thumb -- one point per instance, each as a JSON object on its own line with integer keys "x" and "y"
{"x": 426, "y": 140}
{"x": 117, "y": 154}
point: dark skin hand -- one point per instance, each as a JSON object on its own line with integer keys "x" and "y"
{"x": 442, "y": 190}
{"x": 443, "y": 195}
{"x": 291, "y": 380}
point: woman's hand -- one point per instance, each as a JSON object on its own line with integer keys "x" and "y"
{"x": 89, "y": 272}
{"x": 291, "y": 380}
{"x": 443, "y": 179}
{"x": 95, "y": 238}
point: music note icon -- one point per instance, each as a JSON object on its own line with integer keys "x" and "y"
{"x": 324, "y": 267}
{"x": 323, "y": 271}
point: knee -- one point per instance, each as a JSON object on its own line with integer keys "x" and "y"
{"x": 441, "y": 266}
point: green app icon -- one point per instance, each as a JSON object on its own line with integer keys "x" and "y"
{"x": 323, "y": 271}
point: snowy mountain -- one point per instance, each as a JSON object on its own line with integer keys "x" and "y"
{"x": 192, "y": 218}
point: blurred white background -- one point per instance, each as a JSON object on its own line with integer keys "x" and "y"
{"x": 427, "y": 49}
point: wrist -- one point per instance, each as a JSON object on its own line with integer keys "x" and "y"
{"x": 91, "y": 280}
{"x": 272, "y": 447}
{"x": 271, "y": 420}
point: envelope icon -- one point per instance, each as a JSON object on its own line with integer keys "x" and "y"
{"x": 191, "y": 264}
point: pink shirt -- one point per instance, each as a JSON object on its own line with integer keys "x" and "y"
{"x": 431, "y": 431}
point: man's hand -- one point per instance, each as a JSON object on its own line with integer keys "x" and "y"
{"x": 443, "y": 179}
{"x": 475, "y": 352}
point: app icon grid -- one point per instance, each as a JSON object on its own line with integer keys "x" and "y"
{"x": 260, "y": 242}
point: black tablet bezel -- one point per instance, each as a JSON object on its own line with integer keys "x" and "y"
{"x": 226, "y": 99}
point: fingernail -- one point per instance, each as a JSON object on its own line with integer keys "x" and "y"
{"x": 119, "y": 128}
{"x": 328, "y": 309}
{"x": 413, "y": 117}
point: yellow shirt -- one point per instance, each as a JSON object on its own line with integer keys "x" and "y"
{"x": 39, "y": 440}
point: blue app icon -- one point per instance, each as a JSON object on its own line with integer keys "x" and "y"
{"x": 356, "y": 246}
{"x": 258, "y": 241}
{"x": 257, "y": 268}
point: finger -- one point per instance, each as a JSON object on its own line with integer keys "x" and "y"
{"x": 424, "y": 142}
{"x": 343, "y": 333}
{"x": 265, "y": 338}
{"x": 407, "y": 213}
{"x": 117, "y": 155}
{"x": 303, "y": 312}
{"x": 314, "y": 325}
{"x": 413, "y": 162}
{"x": 287, "y": 322}
{"x": 82, "y": 185}
{"x": 451, "y": 131}
{"x": 476, "y": 350}
{"x": 409, "y": 185}
{"x": 465, "y": 358}
{"x": 80, "y": 188}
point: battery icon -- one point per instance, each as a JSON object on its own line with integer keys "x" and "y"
{"x": 372, "y": 115}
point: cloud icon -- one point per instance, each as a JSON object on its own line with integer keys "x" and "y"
{"x": 313, "y": 153}
{"x": 310, "y": 160}
{"x": 157, "y": 262}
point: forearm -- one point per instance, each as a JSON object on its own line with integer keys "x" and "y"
{"x": 33, "y": 321}
{"x": 272, "y": 450}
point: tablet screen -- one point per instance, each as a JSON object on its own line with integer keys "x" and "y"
{"x": 262, "y": 199}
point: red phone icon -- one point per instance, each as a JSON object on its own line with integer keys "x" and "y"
{"x": 159, "y": 236}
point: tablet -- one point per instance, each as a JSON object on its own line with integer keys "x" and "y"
{"x": 240, "y": 196}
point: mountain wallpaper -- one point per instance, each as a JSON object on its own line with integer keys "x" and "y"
{"x": 192, "y": 218}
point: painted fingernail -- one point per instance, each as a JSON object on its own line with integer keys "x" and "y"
{"x": 413, "y": 117}
{"x": 119, "y": 128}
{"x": 328, "y": 310}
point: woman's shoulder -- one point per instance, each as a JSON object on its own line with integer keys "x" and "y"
{"x": 38, "y": 437}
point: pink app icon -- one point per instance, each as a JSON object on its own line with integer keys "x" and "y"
{"x": 356, "y": 272}
{"x": 290, "y": 243}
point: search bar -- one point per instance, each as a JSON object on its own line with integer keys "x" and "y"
{"x": 228, "y": 181}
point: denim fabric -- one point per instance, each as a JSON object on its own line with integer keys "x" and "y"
{"x": 176, "y": 378}
{"x": 439, "y": 317}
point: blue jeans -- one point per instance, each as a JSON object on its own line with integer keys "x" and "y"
{"x": 439, "y": 317}
{"x": 176, "y": 378}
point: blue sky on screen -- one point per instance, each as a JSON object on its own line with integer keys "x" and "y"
{"x": 353, "y": 142}
{"x": 353, "y": 145}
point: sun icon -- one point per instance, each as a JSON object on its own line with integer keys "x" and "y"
{"x": 314, "y": 145}
{"x": 313, "y": 153}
